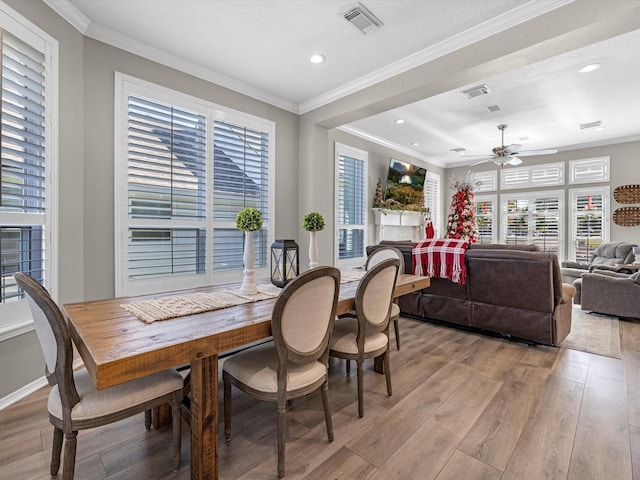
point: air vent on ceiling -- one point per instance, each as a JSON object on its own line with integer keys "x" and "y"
{"x": 459, "y": 150}
{"x": 476, "y": 91}
{"x": 362, "y": 19}
{"x": 494, "y": 108}
{"x": 590, "y": 125}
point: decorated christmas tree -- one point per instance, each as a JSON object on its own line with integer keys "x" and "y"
{"x": 378, "y": 200}
{"x": 461, "y": 223}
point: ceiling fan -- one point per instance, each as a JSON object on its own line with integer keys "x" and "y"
{"x": 506, "y": 155}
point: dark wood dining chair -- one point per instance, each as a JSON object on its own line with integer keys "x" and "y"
{"x": 74, "y": 402}
{"x": 376, "y": 257}
{"x": 295, "y": 363}
{"x": 366, "y": 334}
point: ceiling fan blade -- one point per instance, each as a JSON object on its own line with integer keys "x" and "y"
{"x": 484, "y": 160}
{"x": 510, "y": 149}
{"x": 543, "y": 151}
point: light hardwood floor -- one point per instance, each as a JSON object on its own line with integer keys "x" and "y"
{"x": 464, "y": 406}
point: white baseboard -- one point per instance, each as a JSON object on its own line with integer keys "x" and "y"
{"x": 30, "y": 388}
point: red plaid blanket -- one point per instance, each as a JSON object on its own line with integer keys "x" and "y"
{"x": 440, "y": 258}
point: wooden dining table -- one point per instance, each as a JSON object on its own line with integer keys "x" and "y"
{"x": 117, "y": 347}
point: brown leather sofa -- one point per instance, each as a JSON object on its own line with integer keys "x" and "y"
{"x": 512, "y": 290}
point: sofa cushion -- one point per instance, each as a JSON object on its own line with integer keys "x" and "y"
{"x": 612, "y": 253}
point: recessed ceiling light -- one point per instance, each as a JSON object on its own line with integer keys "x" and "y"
{"x": 399, "y": 121}
{"x": 415, "y": 144}
{"x": 589, "y": 68}
{"x": 317, "y": 58}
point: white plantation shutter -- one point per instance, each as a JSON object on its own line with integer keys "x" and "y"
{"x": 241, "y": 179}
{"x": 184, "y": 168}
{"x": 166, "y": 182}
{"x": 590, "y": 170}
{"x": 548, "y": 174}
{"x": 589, "y": 227}
{"x": 486, "y": 221}
{"x": 23, "y": 221}
{"x": 351, "y": 215}
{"x": 432, "y": 199}
{"x": 534, "y": 218}
{"x": 546, "y": 223}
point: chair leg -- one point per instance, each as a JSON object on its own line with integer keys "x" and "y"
{"x": 147, "y": 419}
{"x": 387, "y": 371}
{"x": 282, "y": 429}
{"x": 227, "y": 407}
{"x": 324, "y": 390}
{"x": 56, "y": 450}
{"x": 397, "y": 330}
{"x": 360, "y": 388}
{"x": 176, "y": 425}
{"x": 348, "y": 366}
{"x": 69, "y": 464}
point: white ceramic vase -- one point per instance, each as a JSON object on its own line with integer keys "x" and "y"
{"x": 248, "y": 286}
{"x": 313, "y": 250}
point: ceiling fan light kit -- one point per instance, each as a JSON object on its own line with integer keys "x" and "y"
{"x": 506, "y": 154}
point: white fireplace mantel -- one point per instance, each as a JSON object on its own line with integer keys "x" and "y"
{"x": 398, "y": 225}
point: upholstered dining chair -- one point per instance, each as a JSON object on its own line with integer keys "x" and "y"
{"x": 376, "y": 257}
{"x": 74, "y": 402}
{"x": 367, "y": 334}
{"x": 295, "y": 363}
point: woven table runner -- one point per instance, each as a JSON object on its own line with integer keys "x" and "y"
{"x": 165, "y": 308}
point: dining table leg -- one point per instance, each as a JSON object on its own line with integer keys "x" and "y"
{"x": 204, "y": 418}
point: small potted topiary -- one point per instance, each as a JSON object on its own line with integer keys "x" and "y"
{"x": 313, "y": 222}
{"x": 249, "y": 220}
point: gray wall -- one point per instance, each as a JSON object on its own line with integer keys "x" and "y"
{"x": 624, "y": 171}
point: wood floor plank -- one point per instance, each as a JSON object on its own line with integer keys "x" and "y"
{"x": 496, "y": 433}
{"x": 438, "y": 437}
{"x": 630, "y": 353}
{"x": 498, "y": 365}
{"x": 386, "y": 435}
{"x": 464, "y": 466}
{"x": 634, "y": 433}
{"x": 602, "y": 446}
{"x": 544, "y": 448}
{"x": 571, "y": 365}
{"x": 343, "y": 465}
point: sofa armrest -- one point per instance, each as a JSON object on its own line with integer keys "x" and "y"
{"x": 568, "y": 292}
{"x": 604, "y": 268}
{"x": 572, "y": 264}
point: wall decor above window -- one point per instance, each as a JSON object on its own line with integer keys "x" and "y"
{"x": 627, "y": 216}
{"x": 627, "y": 194}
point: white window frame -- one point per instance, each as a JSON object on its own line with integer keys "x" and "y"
{"x": 589, "y": 170}
{"x": 487, "y": 181}
{"x": 125, "y": 85}
{"x": 493, "y": 215}
{"x": 346, "y": 150}
{"x": 15, "y": 317}
{"x": 605, "y": 191}
{"x": 434, "y": 202}
{"x": 530, "y": 196}
{"x": 528, "y": 176}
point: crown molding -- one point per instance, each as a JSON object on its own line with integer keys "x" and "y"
{"x": 496, "y": 25}
{"x": 385, "y": 143}
{"x": 71, "y": 14}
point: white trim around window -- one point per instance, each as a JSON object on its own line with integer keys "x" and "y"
{"x": 351, "y": 215}
{"x": 191, "y": 223}
{"x": 15, "y": 317}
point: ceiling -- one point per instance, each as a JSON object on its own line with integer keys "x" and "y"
{"x": 262, "y": 47}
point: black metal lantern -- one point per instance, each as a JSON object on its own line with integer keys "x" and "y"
{"x": 284, "y": 262}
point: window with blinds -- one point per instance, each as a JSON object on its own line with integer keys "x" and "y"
{"x": 534, "y": 218}
{"x": 545, "y": 175}
{"x": 432, "y": 199}
{"x": 589, "y": 225}
{"x": 240, "y": 179}
{"x": 24, "y": 225}
{"x": 485, "y": 215}
{"x": 351, "y": 204}
{"x": 191, "y": 166}
{"x": 590, "y": 170}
